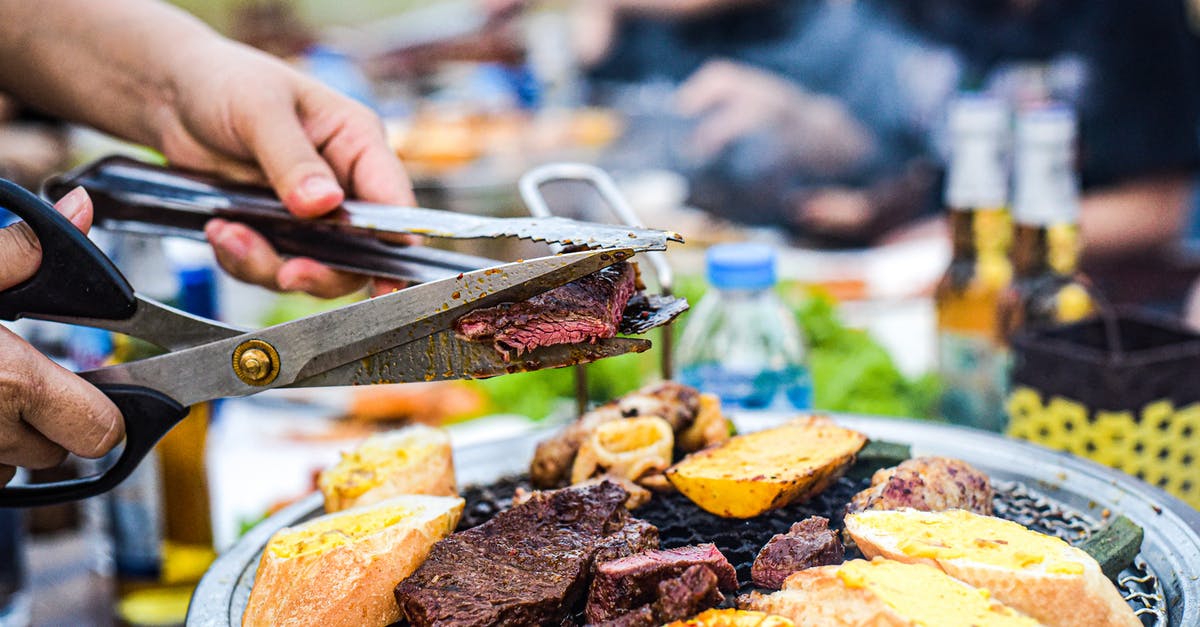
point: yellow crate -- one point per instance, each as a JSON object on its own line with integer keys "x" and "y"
{"x": 1159, "y": 443}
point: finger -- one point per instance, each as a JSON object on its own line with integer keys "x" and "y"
{"x": 76, "y": 206}
{"x": 53, "y": 401}
{"x": 354, "y": 143}
{"x": 21, "y": 446}
{"x": 244, "y": 253}
{"x": 720, "y": 129}
{"x": 20, "y": 251}
{"x": 307, "y": 275}
{"x": 379, "y": 287}
{"x": 20, "y": 254}
{"x": 299, "y": 175}
{"x": 6, "y": 474}
{"x": 708, "y": 87}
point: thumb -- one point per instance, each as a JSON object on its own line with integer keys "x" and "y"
{"x": 20, "y": 251}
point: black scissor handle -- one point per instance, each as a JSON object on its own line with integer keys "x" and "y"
{"x": 149, "y": 415}
{"x": 74, "y": 278}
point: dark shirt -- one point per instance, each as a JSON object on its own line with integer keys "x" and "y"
{"x": 1129, "y": 68}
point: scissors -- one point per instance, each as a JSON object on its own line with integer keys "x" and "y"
{"x": 399, "y": 337}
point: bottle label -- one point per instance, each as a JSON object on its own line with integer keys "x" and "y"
{"x": 780, "y": 390}
{"x": 1047, "y": 191}
{"x": 977, "y": 176}
{"x": 974, "y": 375}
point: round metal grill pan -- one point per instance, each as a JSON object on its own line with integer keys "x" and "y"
{"x": 1048, "y": 491}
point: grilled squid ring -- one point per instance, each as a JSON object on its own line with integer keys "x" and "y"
{"x": 630, "y": 448}
{"x": 710, "y": 426}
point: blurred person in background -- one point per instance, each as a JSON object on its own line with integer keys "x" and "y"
{"x": 1130, "y": 71}
{"x": 825, "y": 115}
{"x": 154, "y": 75}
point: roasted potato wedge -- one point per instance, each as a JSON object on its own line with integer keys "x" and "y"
{"x": 753, "y": 473}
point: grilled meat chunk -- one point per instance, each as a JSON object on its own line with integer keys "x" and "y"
{"x": 808, "y": 543}
{"x": 634, "y": 537}
{"x": 930, "y": 484}
{"x": 583, "y": 310}
{"x": 526, "y": 566}
{"x": 675, "y": 403}
{"x": 622, "y": 585}
{"x": 693, "y": 591}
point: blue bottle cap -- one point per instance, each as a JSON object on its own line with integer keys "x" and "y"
{"x": 741, "y": 266}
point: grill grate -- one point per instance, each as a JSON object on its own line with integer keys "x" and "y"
{"x": 681, "y": 523}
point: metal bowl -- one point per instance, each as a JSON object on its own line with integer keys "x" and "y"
{"x": 1165, "y": 580}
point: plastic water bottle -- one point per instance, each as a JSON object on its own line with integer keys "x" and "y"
{"x": 741, "y": 342}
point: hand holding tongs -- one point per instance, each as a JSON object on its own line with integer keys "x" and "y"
{"x": 403, "y": 336}
{"x": 130, "y": 195}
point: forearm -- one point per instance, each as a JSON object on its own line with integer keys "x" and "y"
{"x": 105, "y": 64}
{"x": 1135, "y": 216}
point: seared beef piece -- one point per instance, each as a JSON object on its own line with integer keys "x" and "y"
{"x": 621, "y": 585}
{"x": 692, "y": 592}
{"x": 580, "y": 311}
{"x": 688, "y": 594}
{"x": 929, "y": 484}
{"x": 636, "y": 536}
{"x": 677, "y": 404}
{"x": 526, "y": 566}
{"x": 808, "y": 543}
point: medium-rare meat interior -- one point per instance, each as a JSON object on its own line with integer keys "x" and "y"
{"x": 929, "y": 484}
{"x": 528, "y": 565}
{"x": 629, "y": 584}
{"x": 583, "y": 310}
{"x": 808, "y": 543}
{"x": 693, "y": 591}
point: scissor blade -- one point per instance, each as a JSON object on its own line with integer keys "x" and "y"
{"x": 324, "y": 341}
{"x": 443, "y": 356}
{"x": 164, "y": 326}
{"x": 553, "y": 230}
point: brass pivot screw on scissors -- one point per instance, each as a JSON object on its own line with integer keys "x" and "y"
{"x": 404, "y": 336}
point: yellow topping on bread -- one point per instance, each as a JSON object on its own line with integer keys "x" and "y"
{"x": 885, "y": 593}
{"x": 1039, "y": 575}
{"x": 927, "y": 596}
{"x": 959, "y": 534}
{"x": 328, "y": 532}
{"x": 413, "y": 460}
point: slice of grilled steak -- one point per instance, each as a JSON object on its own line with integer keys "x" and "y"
{"x": 808, "y": 543}
{"x": 635, "y": 536}
{"x": 526, "y": 566}
{"x": 625, "y": 584}
{"x": 583, "y": 310}
{"x": 929, "y": 484}
{"x": 692, "y": 592}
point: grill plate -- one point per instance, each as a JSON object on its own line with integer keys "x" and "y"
{"x": 1049, "y": 491}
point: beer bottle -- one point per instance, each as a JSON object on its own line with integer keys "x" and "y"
{"x": 159, "y": 519}
{"x": 972, "y": 360}
{"x": 1047, "y": 288}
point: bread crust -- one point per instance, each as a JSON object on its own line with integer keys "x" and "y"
{"x": 351, "y": 584}
{"x": 1088, "y": 599}
{"x": 816, "y": 597}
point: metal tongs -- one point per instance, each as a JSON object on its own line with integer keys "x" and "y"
{"x": 138, "y": 197}
{"x": 400, "y": 337}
